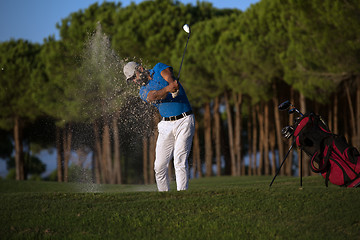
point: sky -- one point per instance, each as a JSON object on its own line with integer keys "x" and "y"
{"x": 35, "y": 20}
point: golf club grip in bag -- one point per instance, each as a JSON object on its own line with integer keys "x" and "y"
{"x": 330, "y": 154}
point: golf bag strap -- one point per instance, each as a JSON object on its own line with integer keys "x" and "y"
{"x": 316, "y": 158}
{"x": 325, "y": 164}
{"x": 355, "y": 183}
{"x": 327, "y": 177}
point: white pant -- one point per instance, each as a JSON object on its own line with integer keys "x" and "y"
{"x": 174, "y": 141}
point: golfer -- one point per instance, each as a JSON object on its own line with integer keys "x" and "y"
{"x": 159, "y": 87}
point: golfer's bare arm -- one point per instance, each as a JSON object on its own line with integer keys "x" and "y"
{"x": 173, "y": 86}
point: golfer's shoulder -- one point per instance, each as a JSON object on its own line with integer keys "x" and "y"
{"x": 161, "y": 66}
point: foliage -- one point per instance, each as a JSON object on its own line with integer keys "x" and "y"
{"x": 228, "y": 54}
{"x": 11, "y": 174}
{"x": 200, "y": 77}
{"x": 6, "y": 146}
{"x": 52, "y": 176}
{"x": 53, "y": 81}
{"x": 317, "y": 58}
{"x": 148, "y": 31}
{"x": 75, "y": 29}
{"x": 32, "y": 166}
{"x": 58, "y": 84}
{"x": 103, "y": 86}
{"x": 17, "y": 59}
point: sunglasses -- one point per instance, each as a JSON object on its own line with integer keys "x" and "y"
{"x": 131, "y": 79}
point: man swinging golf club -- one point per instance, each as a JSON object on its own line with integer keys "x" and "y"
{"x": 159, "y": 87}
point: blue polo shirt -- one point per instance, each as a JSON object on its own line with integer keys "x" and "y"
{"x": 168, "y": 106}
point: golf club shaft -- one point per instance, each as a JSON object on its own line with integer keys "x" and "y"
{"x": 299, "y": 112}
{"x": 183, "y": 56}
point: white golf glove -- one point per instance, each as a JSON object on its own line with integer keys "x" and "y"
{"x": 175, "y": 94}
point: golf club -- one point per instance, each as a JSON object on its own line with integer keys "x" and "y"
{"x": 286, "y": 105}
{"x": 187, "y": 30}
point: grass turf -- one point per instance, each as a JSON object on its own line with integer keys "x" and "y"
{"x": 213, "y": 208}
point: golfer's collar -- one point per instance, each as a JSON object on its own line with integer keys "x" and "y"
{"x": 151, "y": 71}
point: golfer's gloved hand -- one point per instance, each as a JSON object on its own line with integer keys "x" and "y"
{"x": 175, "y": 94}
{"x": 174, "y": 88}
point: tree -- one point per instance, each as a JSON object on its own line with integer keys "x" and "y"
{"x": 324, "y": 49}
{"x": 318, "y": 59}
{"x": 32, "y": 165}
{"x": 148, "y": 31}
{"x": 54, "y": 84}
{"x": 266, "y": 41}
{"x": 227, "y": 55}
{"x": 63, "y": 89}
{"x": 104, "y": 93}
{"x": 17, "y": 61}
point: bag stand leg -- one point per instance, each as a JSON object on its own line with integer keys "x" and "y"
{"x": 287, "y": 154}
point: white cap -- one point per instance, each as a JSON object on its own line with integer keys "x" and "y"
{"x": 129, "y": 69}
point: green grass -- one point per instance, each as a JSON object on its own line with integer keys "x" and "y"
{"x": 213, "y": 208}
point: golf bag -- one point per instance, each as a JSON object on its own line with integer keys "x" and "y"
{"x": 330, "y": 154}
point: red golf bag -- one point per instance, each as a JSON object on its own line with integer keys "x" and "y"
{"x": 330, "y": 154}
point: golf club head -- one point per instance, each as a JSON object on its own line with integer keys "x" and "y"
{"x": 287, "y": 131}
{"x": 186, "y": 28}
{"x": 291, "y": 111}
{"x": 284, "y": 106}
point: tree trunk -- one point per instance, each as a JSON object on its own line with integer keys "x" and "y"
{"x": 208, "y": 144}
{"x": 197, "y": 171}
{"x": 100, "y": 169}
{"x": 330, "y": 115}
{"x": 217, "y": 132}
{"x": 117, "y": 161}
{"x": 266, "y": 139}
{"x": 146, "y": 159}
{"x": 171, "y": 171}
{"x": 95, "y": 172}
{"x": 352, "y": 114}
{"x": 273, "y": 155}
{"x": 67, "y": 137}
{"x": 19, "y": 152}
{"x": 152, "y": 154}
{"x": 289, "y": 161}
{"x": 59, "y": 155}
{"x": 278, "y": 128}
{"x": 106, "y": 154}
{"x": 249, "y": 131}
{"x": 231, "y": 135}
{"x": 261, "y": 138}
{"x": 306, "y": 159}
{"x": 335, "y": 114}
{"x": 254, "y": 142}
{"x": 152, "y": 148}
{"x": 346, "y": 130}
{"x": 357, "y": 145}
{"x": 240, "y": 170}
